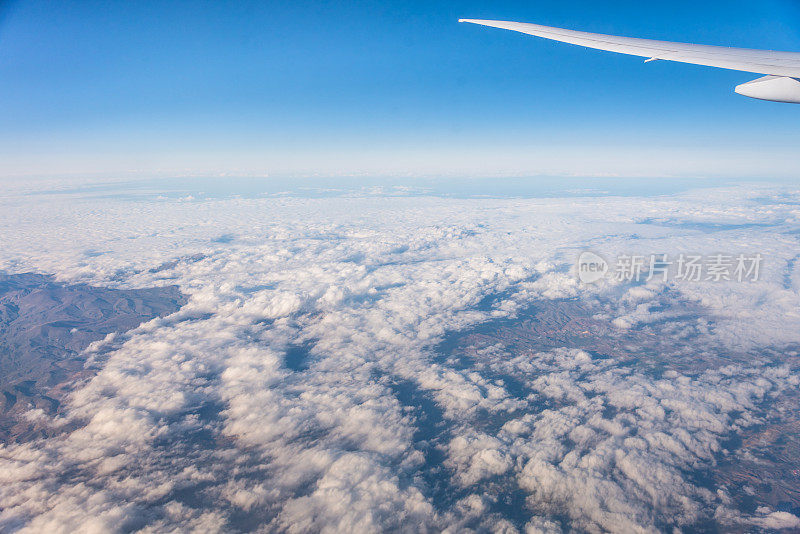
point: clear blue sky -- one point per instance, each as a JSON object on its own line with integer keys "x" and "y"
{"x": 368, "y": 87}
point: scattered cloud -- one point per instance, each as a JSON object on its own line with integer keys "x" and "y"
{"x": 198, "y": 420}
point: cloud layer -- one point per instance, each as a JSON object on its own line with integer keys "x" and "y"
{"x": 308, "y": 384}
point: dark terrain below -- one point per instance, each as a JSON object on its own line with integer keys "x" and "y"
{"x": 45, "y": 326}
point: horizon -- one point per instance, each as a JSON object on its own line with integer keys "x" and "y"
{"x": 382, "y": 89}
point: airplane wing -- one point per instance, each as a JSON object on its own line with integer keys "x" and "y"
{"x": 781, "y": 67}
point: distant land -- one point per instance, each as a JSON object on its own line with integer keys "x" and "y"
{"x": 45, "y": 326}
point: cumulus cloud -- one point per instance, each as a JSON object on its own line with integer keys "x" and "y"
{"x": 201, "y": 420}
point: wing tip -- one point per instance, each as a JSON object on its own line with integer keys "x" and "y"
{"x": 502, "y": 24}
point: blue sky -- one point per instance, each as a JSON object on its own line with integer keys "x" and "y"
{"x": 382, "y": 88}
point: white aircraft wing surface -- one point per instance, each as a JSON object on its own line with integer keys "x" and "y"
{"x": 782, "y": 67}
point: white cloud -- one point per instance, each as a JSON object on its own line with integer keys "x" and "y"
{"x": 194, "y": 421}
